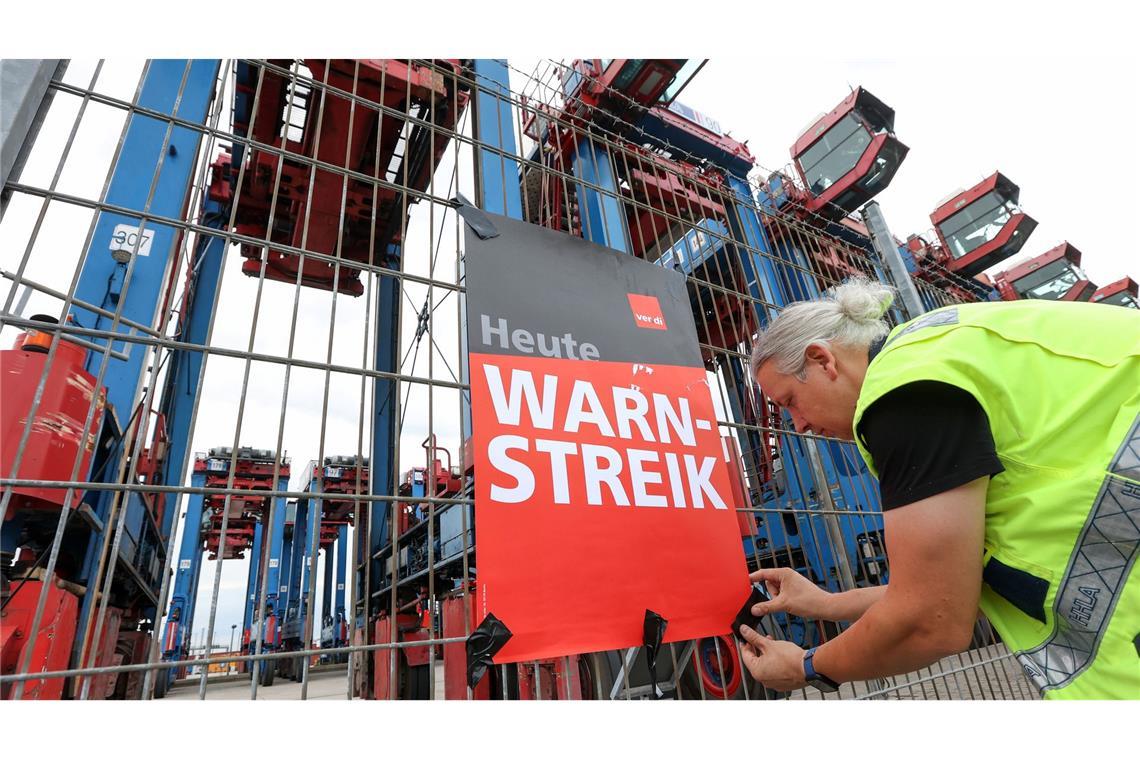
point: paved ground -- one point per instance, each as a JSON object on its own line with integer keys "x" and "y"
{"x": 330, "y": 684}
{"x": 323, "y": 684}
{"x": 987, "y": 673}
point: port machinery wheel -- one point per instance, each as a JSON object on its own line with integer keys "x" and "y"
{"x": 266, "y": 672}
{"x": 704, "y": 666}
{"x": 161, "y": 681}
{"x": 597, "y": 673}
{"x": 586, "y": 679}
{"x": 414, "y": 682}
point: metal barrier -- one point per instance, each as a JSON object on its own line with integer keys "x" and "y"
{"x": 250, "y": 259}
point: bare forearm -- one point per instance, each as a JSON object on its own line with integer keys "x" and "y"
{"x": 850, "y": 605}
{"x": 882, "y": 642}
{"x": 928, "y": 610}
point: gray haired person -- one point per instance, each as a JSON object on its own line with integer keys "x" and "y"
{"x": 1005, "y": 437}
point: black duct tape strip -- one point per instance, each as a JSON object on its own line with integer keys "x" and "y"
{"x": 483, "y": 644}
{"x": 745, "y": 617}
{"x": 476, "y": 219}
{"x": 652, "y": 635}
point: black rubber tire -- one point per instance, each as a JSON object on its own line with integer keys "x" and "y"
{"x": 496, "y": 683}
{"x": 161, "y": 681}
{"x": 123, "y": 682}
{"x": 416, "y": 682}
{"x": 589, "y": 670}
{"x": 604, "y": 667}
{"x": 689, "y": 687}
{"x": 267, "y": 673}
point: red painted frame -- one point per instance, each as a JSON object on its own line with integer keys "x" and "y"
{"x": 370, "y": 212}
{"x": 1123, "y": 285}
{"x": 1006, "y": 281}
{"x": 857, "y": 101}
{"x": 1001, "y": 247}
{"x": 245, "y": 511}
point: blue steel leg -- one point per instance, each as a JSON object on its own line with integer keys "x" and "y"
{"x": 291, "y": 629}
{"x": 326, "y": 625}
{"x": 759, "y": 269}
{"x": 498, "y": 190}
{"x": 497, "y": 187}
{"x": 751, "y": 442}
{"x": 341, "y": 566}
{"x": 774, "y": 282}
{"x": 285, "y": 576}
{"x": 185, "y": 366}
{"x": 181, "y": 390}
{"x": 180, "y": 616}
{"x": 327, "y": 586}
{"x": 189, "y": 617}
{"x": 146, "y": 178}
{"x": 252, "y": 584}
{"x": 297, "y": 570}
{"x": 848, "y": 494}
{"x": 312, "y": 555}
{"x": 273, "y": 567}
{"x": 603, "y": 219}
{"x": 173, "y": 87}
{"x": 382, "y": 480}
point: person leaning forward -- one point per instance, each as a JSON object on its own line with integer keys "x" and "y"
{"x": 1006, "y": 440}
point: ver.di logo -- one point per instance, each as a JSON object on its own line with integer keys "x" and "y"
{"x": 647, "y": 312}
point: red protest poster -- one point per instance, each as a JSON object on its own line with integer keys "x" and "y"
{"x": 601, "y": 487}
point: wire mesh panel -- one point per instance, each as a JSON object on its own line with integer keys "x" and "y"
{"x": 236, "y": 455}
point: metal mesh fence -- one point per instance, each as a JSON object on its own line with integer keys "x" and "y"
{"x": 244, "y": 405}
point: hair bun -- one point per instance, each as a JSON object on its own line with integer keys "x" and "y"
{"x": 862, "y": 301}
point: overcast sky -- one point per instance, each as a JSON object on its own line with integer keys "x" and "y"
{"x": 1054, "y": 126}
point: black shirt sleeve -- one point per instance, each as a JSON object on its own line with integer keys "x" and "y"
{"x": 925, "y": 438}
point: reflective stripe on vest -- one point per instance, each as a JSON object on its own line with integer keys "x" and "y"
{"x": 947, "y": 316}
{"x": 1104, "y": 555}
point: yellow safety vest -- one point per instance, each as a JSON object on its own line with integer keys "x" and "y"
{"x": 1060, "y": 383}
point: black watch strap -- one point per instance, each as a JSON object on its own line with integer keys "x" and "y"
{"x": 814, "y": 677}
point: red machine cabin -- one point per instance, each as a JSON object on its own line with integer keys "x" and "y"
{"x": 983, "y": 225}
{"x": 1054, "y": 275}
{"x": 848, "y": 155}
{"x": 618, "y": 86}
{"x": 1123, "y": 292}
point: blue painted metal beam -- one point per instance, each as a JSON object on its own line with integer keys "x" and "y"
{"x": 285, "y": 576}
{"x": 185, "y": 366}
{"x": 297, "y": 563}
{"x": 341, "y": 565}
{"x": 497, "y": 184}
{"x": 253, "y": 583}
{"x": 603, "y": 219}
{"x": 180, "y": 614}
{"x": 129, "y": 271}
{"x": 312, "y": 554}
{"x": 383, "y": 476}
{"x": 327, "y": 585}
{"x": 497, "y": 173}
{"x": 153, "y": 174}
{"x": 273, "y": 567}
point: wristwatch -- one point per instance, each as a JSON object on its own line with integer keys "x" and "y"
{"x": 814, "y": 677}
